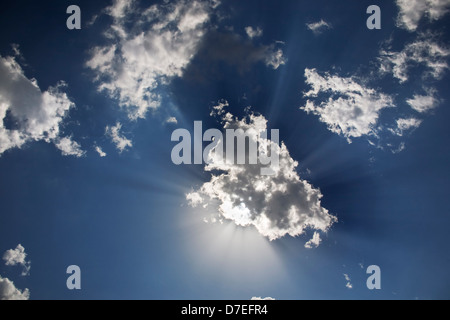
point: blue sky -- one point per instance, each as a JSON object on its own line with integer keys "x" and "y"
{"x": 86, "y": 176}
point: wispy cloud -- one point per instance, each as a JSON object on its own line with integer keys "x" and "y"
{"x": 120, "y": 141}
{"x": 319, "y": 27}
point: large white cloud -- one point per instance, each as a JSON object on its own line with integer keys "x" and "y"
{"x": 8, "y": 291}
{"x": 27, "y": 113}
{"x": 18, "y": 257}
{"x": 276, "y": 205}
{"x": 350, "y": 108}
{"x": 412, "y": 11}
{"x": 157, "y": 47}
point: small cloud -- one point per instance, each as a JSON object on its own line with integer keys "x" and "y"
{"x": 349, "y": 283}
{"x": 69, "y": 147}
{"x": 17, "y": 257}
{"x": 263, "y": 299}
{"x": 100, "y": 152}
{"x": 8, "y": 291}
{"x": 314, "y": 242}
{"x": 423, "y": 104}
{"x": 118, "y": 139}
{"x": 172, "y": 120}
{"x": 254, "y": 33}
{"x": 318, "y": 27}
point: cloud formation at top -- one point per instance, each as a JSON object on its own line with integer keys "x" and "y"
{"x": 147, "y": 48}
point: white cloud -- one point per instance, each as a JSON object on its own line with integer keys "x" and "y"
{"x": 172, "y": 120}
{"x": 140, "y": 60}
{"x": 314, "y": 242}
{"x": 263, "y": 299}
{"x": 33, "y": 115}
{"x": 412, "y": 12}
{"x": 318, "y": 27}
{"x": 277, "y": 205}
{"x": 276, "y": 59}
{"x": 8, "y": 291}
{"x": 17, "y": 257}
{"x": 349, "y": 283}
{"x": 351, "y": 109}
{"x": 424, "y": 52}
{"x": 254, "y": 33}
{"x": 423, "y": 104}
{"x": 121, "y": 142}
{"x": 100, "y": 152}
{"x": 407, "y": 124}
{"x": 69, "y": 147}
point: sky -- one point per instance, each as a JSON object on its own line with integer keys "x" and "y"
{"x": 87, "y": 176}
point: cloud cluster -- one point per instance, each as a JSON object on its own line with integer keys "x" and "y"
{"x": 412, "y": 12}
{"x": 263, "y": 299}
{"x": 8, "y": 291}
{"x": 277, "y": 205}
{"x": 17, "y": 257}
{"x": 318, "y": 27}
{"x": 350, "y": 108}
{"x": 148, "y": 47}
{"x": 29, "y": 114}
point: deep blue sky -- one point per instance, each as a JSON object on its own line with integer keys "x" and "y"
{"x": 124, "y": 218}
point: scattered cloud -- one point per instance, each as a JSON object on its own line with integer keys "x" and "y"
{"x": 277, "y": 205}
{"x": 412, "y": 12}
{"x": 100, "y": 152}
{"x": 423, "y": 104}
{"x": 424, "y": 52}
{"x": 17, "y": 257}
{"x": 263, "y": 299}
{"x": 69, "y": 147}
{"x": 26, "y": 113}
{"x": 407, "y": 124}
{"x": 117, "y": 138}
{"x": 172, "y": 120}
{"x": 148, "y": 47}
{"x": 351, "y": 109}
{"x": 318, "y": 27}
{"x": 349, "y": 282}
{"x": 254, "y": 33}
{"x": 314, "y": 242}
{"x": 8, "y": 291}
